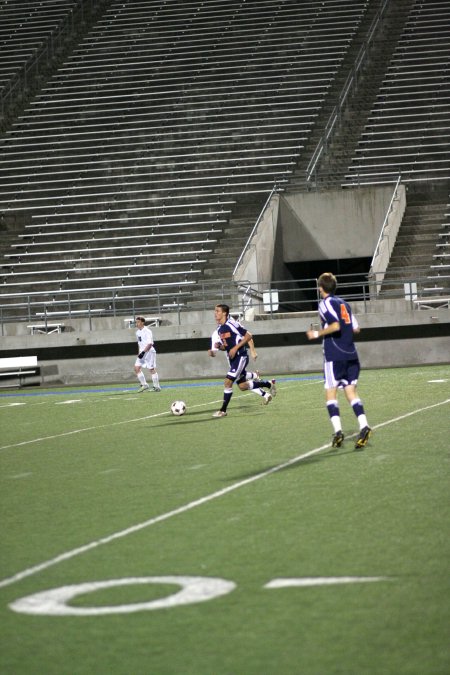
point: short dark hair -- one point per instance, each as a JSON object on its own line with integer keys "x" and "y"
{"x": 327, "y": 282}
{"x": 224, "y": 308}
{"x": 140, "y": 318}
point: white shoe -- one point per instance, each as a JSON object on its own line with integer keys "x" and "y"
{"x": 220, "y": 413}
{"x": 267, "y": 399}
{"x": 143, "y": 387}
{"x": 156, "y": 388}
{"x": 273, "y": 389}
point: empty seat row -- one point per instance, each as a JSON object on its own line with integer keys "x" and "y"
{"x": 407, "y": 131}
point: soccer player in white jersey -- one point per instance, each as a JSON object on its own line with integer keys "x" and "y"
{"x": 341, "y": 362}
{"x": 146, "y": 356}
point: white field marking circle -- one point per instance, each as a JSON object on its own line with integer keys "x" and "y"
{"x": 54, "y": 602}
{"x": 191, "y": 505}
{"x": 321, "y": 581}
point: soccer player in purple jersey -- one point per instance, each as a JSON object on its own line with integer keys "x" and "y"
{"x": 341, "y": 362}
{"x": 233, "y": 339}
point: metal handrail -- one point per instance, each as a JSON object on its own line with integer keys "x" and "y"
{"x": 337, "y": 110}
{"x": 295, "y": 295}
{"x": 255, "y": 227}
{"x": 384, "y": 225}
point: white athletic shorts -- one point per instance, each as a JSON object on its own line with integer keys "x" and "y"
{"x": 149, "y": 360}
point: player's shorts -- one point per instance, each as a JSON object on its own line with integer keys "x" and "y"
{"x": 340, "y": 373}
{"x": 149, "y": 360}
{"x": 237, "y": 370}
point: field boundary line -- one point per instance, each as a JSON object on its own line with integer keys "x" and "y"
{"x": 191, "y": 505}
{"x": 105, "y": 426}
{"x": 100, "y": 426}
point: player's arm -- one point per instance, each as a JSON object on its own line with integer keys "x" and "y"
{"x": 253, "y": 352}
{"x": 333, "y": 327}
{"x": 216, "y": 344}
{"x": 148, "y": 346}
{"x": 245, "y": 340}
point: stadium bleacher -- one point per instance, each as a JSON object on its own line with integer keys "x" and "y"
{"x": 408, "y": 129}
{"x": 127, "y": 175}
{"x": 151, "y": 132}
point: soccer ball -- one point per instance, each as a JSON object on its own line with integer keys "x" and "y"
{"x": 178, "y": 408}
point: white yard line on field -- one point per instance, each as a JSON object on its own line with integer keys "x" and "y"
{"x": 188, "y": 507}
{"x": 99, "y": 426}
{"x": 107, "y": 426}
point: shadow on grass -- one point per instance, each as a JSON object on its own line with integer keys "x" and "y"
{"x": 323, "y": 456}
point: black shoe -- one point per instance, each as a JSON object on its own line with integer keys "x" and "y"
{"x": 338, "y": 439}
{"x": 363, "y": 437}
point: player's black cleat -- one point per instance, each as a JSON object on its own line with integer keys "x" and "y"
{"x": 363, "y": 437}
{"x": 338, "y": 439}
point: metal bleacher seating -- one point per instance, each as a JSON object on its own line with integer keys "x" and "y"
{"x": 126, "y": 167}
{"x": 408, "y": 130}
{"x": 31, "y": 32}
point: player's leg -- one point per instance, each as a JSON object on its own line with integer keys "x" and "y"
{"x": 150, "y": 361}
{"x": 331, "y": 374}
{"x": 265, "y": 384}
{"x": 256, "y": 388}
{"x": 227, "y": 394}
{"x": 140, "y": 375}
{"x": 357, "y": 405}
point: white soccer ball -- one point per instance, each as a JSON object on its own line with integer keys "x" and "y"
{"x": 178, "y": 408}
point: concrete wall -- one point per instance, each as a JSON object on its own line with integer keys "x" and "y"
{"x": 396, "y": 338}
{"x": 333, "y": 224}
{"x": 257, "y": 262}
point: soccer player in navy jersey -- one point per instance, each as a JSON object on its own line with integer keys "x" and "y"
{"x": 341, "y": 362}
{"x": 233, "y": 339}
{"x": 215, "y": 347}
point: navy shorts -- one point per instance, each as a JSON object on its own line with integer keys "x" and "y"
{"x": 237, "y": 370}
{"x": 341, "y": 373}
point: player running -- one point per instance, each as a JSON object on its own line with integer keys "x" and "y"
{"x": 233, "y": 339}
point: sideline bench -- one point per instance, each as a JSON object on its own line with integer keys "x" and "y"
{"x": 18, "y": 367}
{"x": 432, "y": 303}
{"x": 46, "y": 328}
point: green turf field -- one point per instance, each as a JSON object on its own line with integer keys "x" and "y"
{"x": 235, "y": 546}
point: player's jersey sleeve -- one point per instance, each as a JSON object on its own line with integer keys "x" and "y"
{"x": 215, "y": 338}
{"x": 328, "y": 311}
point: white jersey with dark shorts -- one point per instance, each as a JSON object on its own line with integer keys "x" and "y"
{"x": 144, "y": 337}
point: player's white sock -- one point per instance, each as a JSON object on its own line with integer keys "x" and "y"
{"x": 155, "y": 379}
{"x": 141, "y": 378}
{"x": 336, "y": 422}
{"x": 255, "y": 390}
